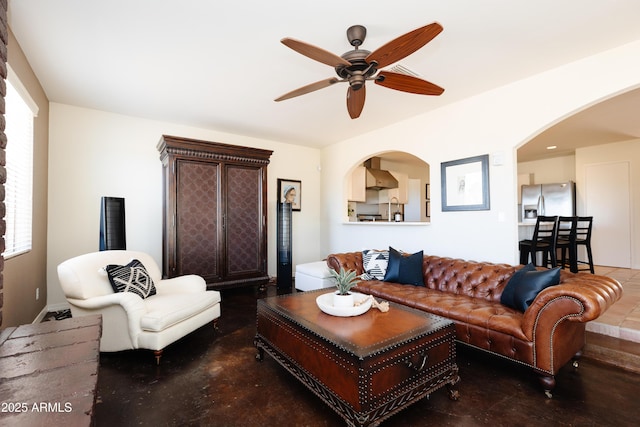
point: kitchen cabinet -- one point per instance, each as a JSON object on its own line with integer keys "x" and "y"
{"x": 214, "y": 211}
{"x": 357, "y": 185}
{"x": 357, "y": 191}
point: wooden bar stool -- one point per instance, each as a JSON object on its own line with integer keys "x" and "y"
{"x": 543, "y": 240}
{"x": 580, "y": 237}
{"x": 566, "y": 242}
{"x": 583, "y": 238}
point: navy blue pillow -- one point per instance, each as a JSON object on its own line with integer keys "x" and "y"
{"x": 528, "y": 285}
{"x": 404, "y": 269}
{"x": 507, "y": 293}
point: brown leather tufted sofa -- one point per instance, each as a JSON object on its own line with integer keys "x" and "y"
{"x": 550, "y": 333}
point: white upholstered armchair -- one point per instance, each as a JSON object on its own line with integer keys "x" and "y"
{"x": 178, "y": 307}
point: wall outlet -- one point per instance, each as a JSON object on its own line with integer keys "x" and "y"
{"x": 37, "y": 294}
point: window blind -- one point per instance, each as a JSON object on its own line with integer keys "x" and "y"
{"x": 19, "y": 165}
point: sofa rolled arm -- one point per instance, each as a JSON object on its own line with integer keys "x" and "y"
{"x": 578, "y": 298}
{"x": 349, "y": 260}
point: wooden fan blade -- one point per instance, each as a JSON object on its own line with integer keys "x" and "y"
{"x": 308, "y": 88}
{"x": 315, "y": 53}
{"x": 404, "y": 45}
{"x": 355, "y": 101}
{"x": 405, "y": 83}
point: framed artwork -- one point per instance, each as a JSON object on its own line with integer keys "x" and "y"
{"x": 290, "y": 191}
{"x": 465, "y": 184}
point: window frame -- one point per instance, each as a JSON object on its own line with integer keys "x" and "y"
{"x": 19, "y": 195}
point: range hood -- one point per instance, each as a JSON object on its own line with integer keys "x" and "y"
{"x": 378, "y": 179}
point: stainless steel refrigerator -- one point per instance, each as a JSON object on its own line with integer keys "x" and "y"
{"x": 548, "y": 199}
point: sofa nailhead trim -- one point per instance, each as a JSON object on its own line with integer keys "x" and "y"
{"x": 535, "y": 344}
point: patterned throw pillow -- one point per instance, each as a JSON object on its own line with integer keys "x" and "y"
{"x": 132, "y": 277}
{"x": 374, "y": 264}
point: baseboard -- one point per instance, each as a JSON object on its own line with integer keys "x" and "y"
{"x": 50, "y": 308}
{"x": 40, "y": 317}
{"x": 58, "y": 307}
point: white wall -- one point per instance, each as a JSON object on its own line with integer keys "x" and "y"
{"x": 449, "y": 234}
{"x": 25, "y": 274}
{"x": 495, "y": 122}
{"x": 94, "y": 153}
{"x": 548, "y": 171}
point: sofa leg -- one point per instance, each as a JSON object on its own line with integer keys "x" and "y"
{"x": 158, "y": 355}
{"x": 575, "y": 362}
{"x": 548, "y": 383}
{"x": 215, "y": 324}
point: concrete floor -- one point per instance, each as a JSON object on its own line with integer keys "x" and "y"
{"x": 213, "y": 379}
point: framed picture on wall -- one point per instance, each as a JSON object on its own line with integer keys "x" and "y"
{"x": 290, "y": 191}
{"x": 465, "y": 184}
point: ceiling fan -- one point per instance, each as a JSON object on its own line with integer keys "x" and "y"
{"x": 359, "y": 65}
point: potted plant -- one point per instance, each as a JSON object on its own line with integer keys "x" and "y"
{"x": 345, "y": 280}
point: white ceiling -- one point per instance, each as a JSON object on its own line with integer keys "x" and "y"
{"x": 220, "y": 65}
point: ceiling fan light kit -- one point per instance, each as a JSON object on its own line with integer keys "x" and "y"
{"x": 359, "y": 65}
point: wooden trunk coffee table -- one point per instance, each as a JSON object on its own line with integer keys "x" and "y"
{"x": 365, "y": 367}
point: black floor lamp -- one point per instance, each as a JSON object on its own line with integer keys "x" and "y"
{"x": 112, "y": 224}
{"x": 285, "y": 268}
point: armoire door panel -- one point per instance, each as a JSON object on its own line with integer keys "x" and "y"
{"x": 243, "y": 220}
{"x": 197, "y": 230}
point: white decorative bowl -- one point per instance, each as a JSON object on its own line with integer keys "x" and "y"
{"x": 325, "y": 303}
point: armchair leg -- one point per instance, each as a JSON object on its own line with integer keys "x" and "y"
{"x": 215, "y": 324}
{"x": 158, "y": 355}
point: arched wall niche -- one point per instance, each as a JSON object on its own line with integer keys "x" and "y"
{"x": 410, "y": 199}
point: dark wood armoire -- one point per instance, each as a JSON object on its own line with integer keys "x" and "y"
{"x": 215, "y": 211}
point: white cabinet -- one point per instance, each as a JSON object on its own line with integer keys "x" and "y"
{"x": 357, "y": 185}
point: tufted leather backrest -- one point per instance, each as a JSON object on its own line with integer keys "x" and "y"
{"x": 476, "y": 279}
